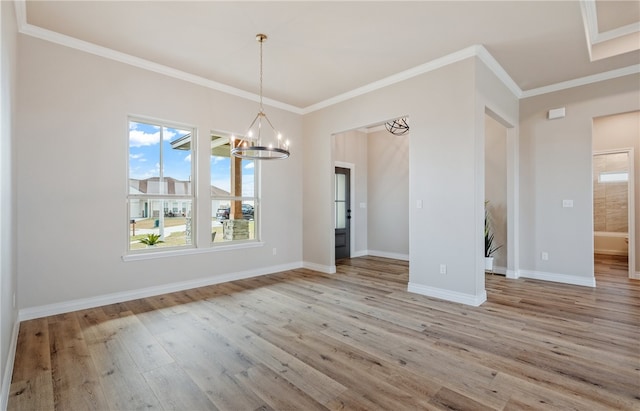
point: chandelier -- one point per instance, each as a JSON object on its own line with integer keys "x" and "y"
{"x": 251, "y": 146}
{"x": 398, "y": 127}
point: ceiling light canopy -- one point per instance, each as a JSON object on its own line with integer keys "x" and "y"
{"x": 254, "y": 145}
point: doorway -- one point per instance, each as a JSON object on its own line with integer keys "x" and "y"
{"x": 616, "y": 151}
{"x": 343, "y": 213}
{"x": 613, "y": 210}
{"x": 495, "y": 191}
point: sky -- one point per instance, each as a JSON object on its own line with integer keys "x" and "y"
{"x": 144, "y": 158}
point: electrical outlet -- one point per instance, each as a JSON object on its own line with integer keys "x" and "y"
{"x": 14, "y": 300}
{"x": 275, "y": 251}
{"x": 545, "y": 256}
{"x": 443, "y": 268}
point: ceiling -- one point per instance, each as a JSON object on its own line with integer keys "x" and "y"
{"x": 320, "y": 51}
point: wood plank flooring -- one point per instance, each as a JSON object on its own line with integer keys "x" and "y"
{"x": 355, "y": 340}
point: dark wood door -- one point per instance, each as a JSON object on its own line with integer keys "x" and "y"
{"x": 343, "y": 212}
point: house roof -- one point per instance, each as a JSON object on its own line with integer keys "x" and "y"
{"x": 321, "y": 52}
{"x": 140, "y": 186}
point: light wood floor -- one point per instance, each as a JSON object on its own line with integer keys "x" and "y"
{"x": 356, "y": 340}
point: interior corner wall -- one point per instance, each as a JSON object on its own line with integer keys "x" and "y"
{"x": 8, "y": 273}
{"x": 622, "y": 131}
{"x": 71, "y": 170}
{"x": 555, "y": 165}
{"x": 351, "y": 147}
{"x": 388, "y": 202}
{"x": 443, "y": 151}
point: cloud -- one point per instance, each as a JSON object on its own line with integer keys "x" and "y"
{"x": 136, "y": 156}
{"x": 250, "y": 165}
{"x": 138, "y": 138}
{"x": 188, "y": 158}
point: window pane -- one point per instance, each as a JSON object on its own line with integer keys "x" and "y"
{"x": 341, "y": 214}
{"x": 169, "y": 218}
{"x": 144, "y": 158}
{"x": 340, "y": 187}
{"x": 232, "y": 220}
{"x": 233, "y": 193}
{"x": 176, "y": 160}
{"x": 613, "y": 177}
{"x": 156, "y": 168}
{"x": 220, "y": 166}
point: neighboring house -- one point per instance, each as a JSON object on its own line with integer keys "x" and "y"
{"x": 148, "y": 208}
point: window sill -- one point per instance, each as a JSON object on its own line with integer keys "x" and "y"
{"x": 190, "y": 251}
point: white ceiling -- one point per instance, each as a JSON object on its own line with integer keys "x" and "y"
{"x": 318, "y": 51}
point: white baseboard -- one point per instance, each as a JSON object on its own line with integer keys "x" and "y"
{"x": 456, "y": 297}
{"x": 499, "y": 270}
{"x": 357, "y": 254}
{"x": 8, "y": 369}
{"x": 512, "y": 274}
{"x": 327, "y": 269}
{"x": 385, "y": 254}
{"x": 97, "y": 301}
{"x": 559, "y": 278}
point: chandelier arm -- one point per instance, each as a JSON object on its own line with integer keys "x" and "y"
{"x": 251, "y": 148}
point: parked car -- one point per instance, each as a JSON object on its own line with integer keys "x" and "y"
{"x": 223, "y": 212}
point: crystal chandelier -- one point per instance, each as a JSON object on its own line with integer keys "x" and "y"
{"x": 251, "y": 146}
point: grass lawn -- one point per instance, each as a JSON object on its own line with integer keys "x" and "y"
{"x": 168, "y": 222}
{"x": 176, "y": 239}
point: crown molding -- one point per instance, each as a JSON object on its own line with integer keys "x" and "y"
{"x": 483, "y": 54}
{"x": 479, "y": 51}
{"x": 608, "y": 43}
{"x": 582, "y": 81}
{"x": 74, "y": 43}
{"x": 396, "y": 78}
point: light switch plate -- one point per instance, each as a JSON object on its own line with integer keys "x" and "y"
{"x": 567, "y": 203}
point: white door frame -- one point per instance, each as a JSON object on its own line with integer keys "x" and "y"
{"x": 352, "y": 194}
{"x": 631, "y": 209}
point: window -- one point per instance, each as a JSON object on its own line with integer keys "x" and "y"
{"x": 234, "y": 202}
{"x": 613, "y": 177}
{"x": 161, "y": 187}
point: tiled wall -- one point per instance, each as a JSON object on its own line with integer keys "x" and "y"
{"x": 610, "y": 203}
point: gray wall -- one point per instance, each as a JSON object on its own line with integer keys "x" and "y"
{"x": 555, "y": 164}
{"x": 8, "y": 274}
{"x": 446, "y": 156}
{"x": 71, "y": 170}
{"x": 388, "y": 194}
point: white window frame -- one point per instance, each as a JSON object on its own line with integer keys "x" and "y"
{"x": 165, "y": 197}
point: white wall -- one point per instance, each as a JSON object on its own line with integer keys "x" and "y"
{"x": 555, "y": 164}
{"x": 388, "y": 194}
{"x": 8, "y": 274}
{"x": 622, "y": 131}
{"x": 446, "y": 154}
{"x": 72, "y": 129}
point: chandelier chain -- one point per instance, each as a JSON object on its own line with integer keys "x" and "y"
{"x": 261, "y": 43}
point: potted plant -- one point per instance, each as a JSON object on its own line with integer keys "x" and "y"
{"x": 151, "y": 240}
{"x": 489, "y": 247}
